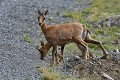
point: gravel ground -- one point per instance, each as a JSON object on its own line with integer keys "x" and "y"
{"x": 17, "y": 18}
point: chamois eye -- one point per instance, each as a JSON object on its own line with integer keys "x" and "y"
{"x": 43, "y": 18}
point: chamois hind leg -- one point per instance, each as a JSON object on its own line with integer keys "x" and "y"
{"x": 81, "y": 48}
{"x": 90, "y": 40}
{"x": 84, "y": 45}
{"x": 62, "y": 49}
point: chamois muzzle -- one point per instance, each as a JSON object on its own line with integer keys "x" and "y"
{"x": 40, "y": 24}
{"x": 41, "y": 58}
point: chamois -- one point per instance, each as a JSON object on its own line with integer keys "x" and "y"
{"x": 59, "y": 35}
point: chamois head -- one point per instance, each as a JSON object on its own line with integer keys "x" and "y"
{"x": 41, "y": 16}
{"x": 42, "y": 51}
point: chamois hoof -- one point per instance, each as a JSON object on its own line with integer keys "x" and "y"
{"x": 51, "y": 65}
{"x": 37, "y": 47}
{"x": 105, "y": 57}
{"x": 60, "y": 60}
{"x": 85, "y": 58}
{"x": 56, "y": 64}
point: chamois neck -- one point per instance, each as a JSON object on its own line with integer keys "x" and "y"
{"x": 44, "y": 27}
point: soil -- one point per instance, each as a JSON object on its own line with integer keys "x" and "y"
{"x": 95, "y": 69}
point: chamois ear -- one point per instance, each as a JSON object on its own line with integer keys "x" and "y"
{"x": 45, "y": 12}
{"x": 42, "y": 44}
{"x": 39, "y": 11}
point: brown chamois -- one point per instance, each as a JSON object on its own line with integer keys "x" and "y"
{"x": 87, "y": 38}
{"x": 59, "y": 35}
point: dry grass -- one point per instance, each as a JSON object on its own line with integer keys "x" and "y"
{"x": 51, "y": 74}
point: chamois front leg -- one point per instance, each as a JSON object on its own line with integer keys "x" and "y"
{"x": 82, "y": 50}
{"x": 54, "y": 53}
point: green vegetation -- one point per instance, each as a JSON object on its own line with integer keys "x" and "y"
{"x": 101, "y": 9}
{"x": 48, "y": 73}
{"x": 51, "y": 74}
{"x": 98, "y": 10}
{"x": 27, "y": 78}
{"x": 27, "y": 38}
{"x": 75, "y": 15}
{"x": 109, "y": 36}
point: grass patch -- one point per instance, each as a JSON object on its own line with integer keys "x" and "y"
{"x": 108, "y": 36}
{"x": 76, "y": 16}
{"x": 27, "y": 78}
{"x": 48, "y": 73}
{"x": 101, "y": 9}
{"x": 51, "y": 74}
{"x": 71, "y": 49}
{"x": 27, "y": 38}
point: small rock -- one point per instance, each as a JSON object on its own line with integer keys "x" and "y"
{"x": 76, "y": 58}
{"x": 92, "y": 63}
{"x": 117, "y": 51}
{"x": 117, "y": 71}
{"x": 105, "y": 76}
{"x": 50, "y": 18}
{"x": 79, "y": 67}
{"x": 66, "y": 58}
